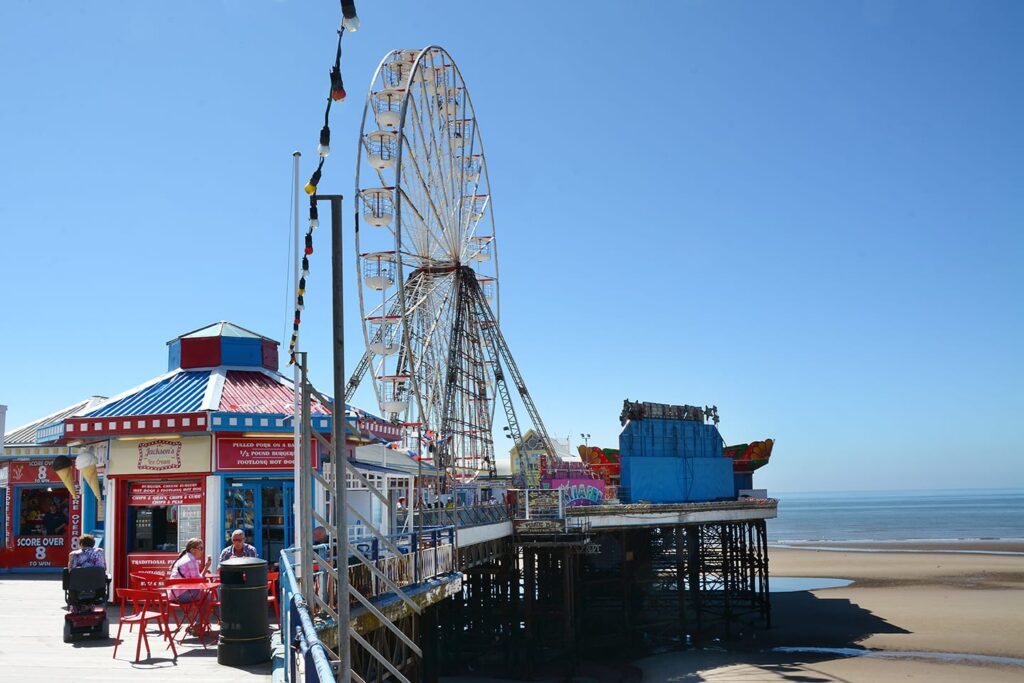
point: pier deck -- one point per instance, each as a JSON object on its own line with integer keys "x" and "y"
{"x": 671, "y": 514}
{"x": 32, "y": 649}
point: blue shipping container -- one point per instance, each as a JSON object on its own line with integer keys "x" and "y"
{"x": 676, "y": 480}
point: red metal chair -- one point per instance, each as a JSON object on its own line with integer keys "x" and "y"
{"x": 194, "y": 613}
{"x": 149, "y": 581}
{"x": 145, "y": 606}
{"x": 272, "y": 578}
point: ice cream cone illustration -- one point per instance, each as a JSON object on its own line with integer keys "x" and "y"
{"x": 86, "y": 462}
{"x": 62, "y": 466}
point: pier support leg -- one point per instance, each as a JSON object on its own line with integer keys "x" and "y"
{"x": 429, "y": 644}
{"x": 680, "y": 558}
{"x": 693, "y": 572}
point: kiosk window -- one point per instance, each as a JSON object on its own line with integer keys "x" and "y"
{"x": 42, "y": 511}
{"x": 153, "y": 529}
{"x": 162, "y": 515}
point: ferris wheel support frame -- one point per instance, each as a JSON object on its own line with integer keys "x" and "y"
{"x": 499, "y": 350}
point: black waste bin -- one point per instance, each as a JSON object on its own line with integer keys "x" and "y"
{"x": 244, "y": 629}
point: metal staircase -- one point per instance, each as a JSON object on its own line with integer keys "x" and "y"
{"x": 327, "y": 590}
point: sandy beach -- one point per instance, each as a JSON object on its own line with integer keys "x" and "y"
{"x": 925, "y": 602}
{"x": 921, "y": 611}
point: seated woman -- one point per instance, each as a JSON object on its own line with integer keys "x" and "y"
{"x": 189, "y": 565}
{"x": 87, "y": 555}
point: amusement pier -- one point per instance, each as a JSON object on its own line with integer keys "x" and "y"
{"x": 365, "y": 531}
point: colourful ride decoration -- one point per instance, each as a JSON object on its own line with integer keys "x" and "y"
{"x": 747, "y": 457}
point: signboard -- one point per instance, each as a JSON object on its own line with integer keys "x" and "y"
{"x": 237, "y": 454}
{"x": 542, "y": 503}
{"x": 539, "y": 526}
{"x": 164, "y": 493}
{"x": 28, "y": 480}
{"x": 170, "y": 455}
{"x": 580, "y": 491}
{"x": 8, "y": 520}
{"x": 151, "y": 562}
{"x": 159, "y": 455}
{"x": 190, "y": 523}
{"x": 33, "y": 472}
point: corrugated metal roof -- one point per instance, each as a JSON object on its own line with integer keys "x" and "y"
{"x": 257, "y": 392}
{"x": 182, "y": 392}
{"x": 26, "y": 434}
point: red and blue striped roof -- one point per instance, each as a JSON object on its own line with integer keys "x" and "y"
{"x": 240, "y": 394}
{"x": 178, "y": 392}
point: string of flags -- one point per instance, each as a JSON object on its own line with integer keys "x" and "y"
{"x": 336, "y": 93}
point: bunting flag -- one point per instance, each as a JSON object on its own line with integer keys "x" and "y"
{"x": 335, "y": 93}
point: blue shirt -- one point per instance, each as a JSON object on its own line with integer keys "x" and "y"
{"x": 229, "y": 552}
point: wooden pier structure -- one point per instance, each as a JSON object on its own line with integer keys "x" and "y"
{"x": 544, "y": 593}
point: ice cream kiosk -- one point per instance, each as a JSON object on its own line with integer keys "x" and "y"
{"x": 44, "y": 516}
{"x": 41, "y": 494}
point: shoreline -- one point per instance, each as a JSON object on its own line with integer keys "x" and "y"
{"x": 986, "y": 546}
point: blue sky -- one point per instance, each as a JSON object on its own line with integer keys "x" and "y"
{"x": 807, "y": 213}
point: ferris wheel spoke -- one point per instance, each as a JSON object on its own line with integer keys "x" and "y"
{"x": 429, "y": 368}
{"x": 424, "y": 198}
{"x": 415, "y": 197}
{"x": 436, "y": 170}
{"x": 471, "y": 229}
{"x": 414, "y": 303}
{"x": 429, "y": 152}
{"x": 427, "y": 105}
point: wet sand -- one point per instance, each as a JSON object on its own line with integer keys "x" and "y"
{"x": 900, "y": 602}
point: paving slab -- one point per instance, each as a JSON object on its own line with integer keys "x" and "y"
{"x": 32, "y": 646}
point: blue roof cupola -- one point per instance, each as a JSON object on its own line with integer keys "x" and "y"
{"x": 222, "y": 344}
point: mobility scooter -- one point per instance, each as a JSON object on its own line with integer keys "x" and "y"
{"x": 85, "y": 592}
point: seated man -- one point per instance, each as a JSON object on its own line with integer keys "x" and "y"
{"x": 87, "y": 555}
{"x": 238, "y": 547}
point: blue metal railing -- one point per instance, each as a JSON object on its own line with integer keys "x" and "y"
{"x": 424, "y": 556}
{"x": 431, "y": 551}
{"x": 297, "y": 629}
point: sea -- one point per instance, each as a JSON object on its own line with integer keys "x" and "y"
{"x": 954, "y": 514}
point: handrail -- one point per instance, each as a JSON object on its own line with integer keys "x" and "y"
{"x": 432, "y": 554}
{"x": 477, "y": 515}
{"x": 300, "y": 631}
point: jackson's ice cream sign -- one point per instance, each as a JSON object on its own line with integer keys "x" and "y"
{"x": 159, "y": 455}
{"x": 580, "y": 491}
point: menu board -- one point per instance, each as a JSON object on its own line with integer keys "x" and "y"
{"x": 190, "y": 523}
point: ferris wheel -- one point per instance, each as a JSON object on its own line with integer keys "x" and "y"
{"x": 428, "y": 265}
